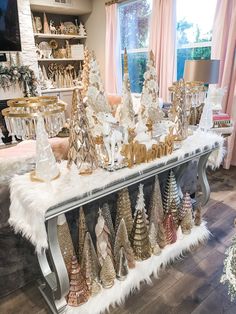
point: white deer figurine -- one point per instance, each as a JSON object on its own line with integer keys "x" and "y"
{"x": 52, "y": 28}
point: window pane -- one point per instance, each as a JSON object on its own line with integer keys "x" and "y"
{"x": 137, "y": 66}
{"x": 134, "y": 23}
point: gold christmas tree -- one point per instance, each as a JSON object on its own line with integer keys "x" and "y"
{"x": 107, "y": 216}
{"x": 124, "y": 210}
{"x": 81, "y": 145}
{"x": 170, "y": 193}
{"x": 175, "y": 213}
{"x": 186, "y": 203}
{"x": 140, "y": 205}
{"x": 170, "y": 229}
{"x": 65, "y": 241}
{"x": 90, "y": 264}
{"x": 78, "y": 292}
{"x": 107, "y": 274}
{"x": 82, "y": 229}
{"x": 155, "y": 248}
{"x": 161, "y": 235}
{"x": 122, "y": 268}
{"x": 139, "y": 238}
{"x": 85, "y": 72}
{"x": 156, "y": 214}
{"x": 198, "y": 215}
{"x": 103, "y": 239}
{"x": 187, "y": 221}
{"x": 122, "y": 240}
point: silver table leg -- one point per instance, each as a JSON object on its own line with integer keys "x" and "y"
{"x": 55, "y": 286}
{"x": 202, "y": 165}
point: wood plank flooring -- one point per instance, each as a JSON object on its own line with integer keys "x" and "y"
{"x": 190, "y": 285}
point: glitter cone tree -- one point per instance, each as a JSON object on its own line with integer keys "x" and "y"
{"x": 155, "y": 248}
{"x": 140, "y": 204}
{"x": 170, "y": 193}
{"x": 175, "y": 213}
{"x": 107, "y": 274}
{"x": 186, "y": 203}
{"x": 161, "y": 235}
{"x": 82, "y": 229}
{"x": 150, "y": 110}
{"x": 122, "y": 267}
{"x": 156, "y": 214}
{"x": 90, "y": 264}
{"x": 139, "y": 238}
{"x": 124, "y": 210}
{"x": 187, "y": 221}
{"x": 78, "y": 292}
{"x": 122, "y": 240}
{"x": 198, "y": 215}
{"x": 85, "y": 72}
{"x": 107, "y": 216}
{"x": 170, "y": 229}
{"x": 102, "y": 239}
{"x": 81, "y": 145}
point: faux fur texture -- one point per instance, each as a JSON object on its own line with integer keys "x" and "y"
{"x": 31, "y": 200}
{"x": 141, "y": 273}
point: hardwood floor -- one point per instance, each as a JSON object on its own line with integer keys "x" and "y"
{"x": 190, "y": 285}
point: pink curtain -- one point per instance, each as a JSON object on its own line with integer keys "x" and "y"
{"x": 224, "y": 48}
{"x": 162, "y": 42}
{"x": 112, "y": 50}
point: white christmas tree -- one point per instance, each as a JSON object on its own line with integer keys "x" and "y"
{"x": 206, "y": 121}
{"x": 150, "y": 109}
{"x": 1, "y": 137}
{"x": 96, "y": 96}
{"x": 140, "y": 204}
{"x": 46, "y": 166}
{"x": 82, "y": 31}
{"x": 125, "y": 113}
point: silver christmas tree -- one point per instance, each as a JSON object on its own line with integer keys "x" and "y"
{"x": 170, "y": 193}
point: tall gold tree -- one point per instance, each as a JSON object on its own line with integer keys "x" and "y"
{"x": 107, "y": 216}
{"x": 170, "y": 193}
{"x": 85, "y": 71}
{"x": 124, "y": 210}
{"x": 156, "y": 213}
{"x": 107, "y": 274}
{"x": 81, "y": 145}
{"x": 82, "y": 229}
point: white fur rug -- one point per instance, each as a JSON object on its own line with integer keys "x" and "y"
{"x": 141, "y": 273}
{"x": 31, "y": 200}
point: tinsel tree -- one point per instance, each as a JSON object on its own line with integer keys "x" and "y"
{"x": 95, "y": 93}
{"x": 85, "y": 72}
{"x": 161, "y": 235}
{"x": 175, "y": 213}
{"x": 102, "y": 239}
{"x": 155, "y": 248}
{"x": 107, "y": 216}
{"x": 170, "y": 230}
{"x": 229, "y": 273}
{"x": 81, "y": 145}
{"x": 65, "y": 241}
{"x": 107, "y": 274}
{"x": 139, "y": 238}
{"x": 122, "y": 267}
{"x": 82, "y": 229}
{"x": 140, "y": 204}
{"x": 124, "y": 210}
{"x": 150, "y": 109}
{"x": 170, "y": 193}
{"x": 187, "y": 221}
{"x": 122, "y": 240}
{"x": 156, "y": 214}
{"x": 125, "y": 112}
{"x": 46, "y": 167}
{"x": 198, "y": 215}
{"x": 78, "y": 292}
{"x": 186, "y": 203}
{"x": 90, "y": 264}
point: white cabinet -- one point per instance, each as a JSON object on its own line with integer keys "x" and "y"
{"x": 71, "y": 7}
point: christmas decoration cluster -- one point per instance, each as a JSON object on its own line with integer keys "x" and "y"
{"x": 135, "y": 236}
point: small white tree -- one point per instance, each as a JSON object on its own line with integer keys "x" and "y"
{"x": 46, "y": 166}
{"x": 140, "y": 204}
{"x": 82, "y": 31}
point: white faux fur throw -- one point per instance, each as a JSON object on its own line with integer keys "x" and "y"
{"x": 31, "y": 200}
{"x": 141, "y": 273}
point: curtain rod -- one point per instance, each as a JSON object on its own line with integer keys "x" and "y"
{"x": 114, "y": 1}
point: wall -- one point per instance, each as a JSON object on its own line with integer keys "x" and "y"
{"x": 95, "y": 24}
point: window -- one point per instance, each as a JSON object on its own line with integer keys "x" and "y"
{"x": 134, "y": 19}
{"x": 194, "y": 31}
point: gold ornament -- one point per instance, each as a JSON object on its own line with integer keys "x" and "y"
{"x": 82, "y": 229}
{"x": 124, "y": 210}
{"x": 139, "y": 238}
{"x": 107, "y": 274}
{"x": 122, "y": 240}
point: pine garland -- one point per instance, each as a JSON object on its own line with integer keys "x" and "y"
{"x": 229, "y": 273}
{"x": 18, "y": 74}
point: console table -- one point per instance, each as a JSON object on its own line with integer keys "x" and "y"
{"x": 55, "y": 285}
